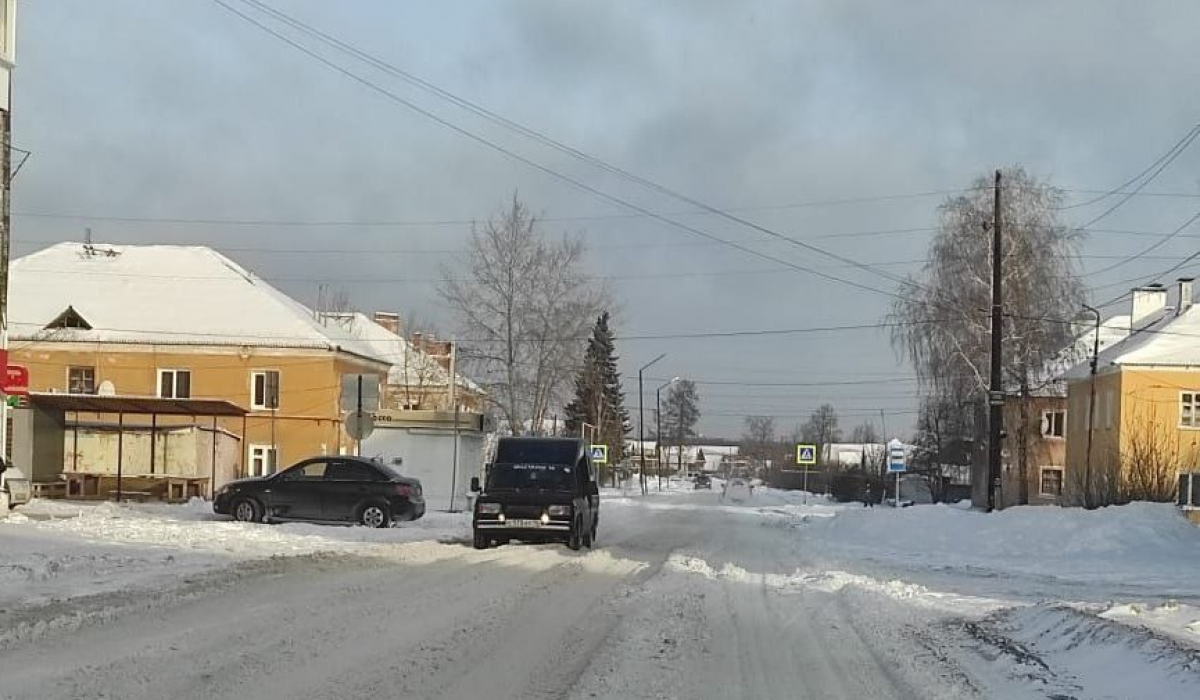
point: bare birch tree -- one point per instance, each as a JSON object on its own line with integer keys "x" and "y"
{"x": 942, "y": 314}
{"x": 524, "y": 305}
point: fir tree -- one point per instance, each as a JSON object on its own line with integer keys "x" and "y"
{"x": 599, "y": 400}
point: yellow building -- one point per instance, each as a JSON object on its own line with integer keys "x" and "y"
{"x": 185, "y": 322}
{"x": 1145, "y": 427}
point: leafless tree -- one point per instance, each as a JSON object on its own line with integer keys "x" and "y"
{"x": 822, "y": 429}
{"x": 1146, "y": 467}
{"x": 942, "y": 314}
{"x": 524, "y": 305}
{"x": 758, "y": 438}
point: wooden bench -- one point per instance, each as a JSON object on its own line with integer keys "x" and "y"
{"x": 139, "y": 496}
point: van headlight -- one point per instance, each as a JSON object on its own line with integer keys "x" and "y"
{"x": 558, "y": 511}
{"x": 487, "y": 508}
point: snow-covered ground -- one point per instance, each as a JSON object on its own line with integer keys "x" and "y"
{"x": 687, "y": 596}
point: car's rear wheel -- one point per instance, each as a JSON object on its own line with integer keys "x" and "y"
{"x": 481, "y": 540}
{"x": 247, "y": 510}
{"x": 375, "y": 515}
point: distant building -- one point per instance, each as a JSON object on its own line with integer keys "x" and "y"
{"x": 419, "y": 376}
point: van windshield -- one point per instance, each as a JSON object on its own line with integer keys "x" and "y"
{"x": 531, "y": 476}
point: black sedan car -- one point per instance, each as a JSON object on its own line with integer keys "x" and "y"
{"x": 325, "y": 489}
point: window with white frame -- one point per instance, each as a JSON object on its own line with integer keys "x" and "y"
{"x": 1189, "y": 409}
{"x": 81, "y": 380}
{"x": 1054, "y": 423}
{"x": 264, "y": 389}
{"x": 175, "y": 383}
{"x": 263, "y": 460}
{"x": 1051, "y": 482}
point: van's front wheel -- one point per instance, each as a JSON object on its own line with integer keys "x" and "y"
{"x": 481, "y": 540}
{"x": 575, "y": 540}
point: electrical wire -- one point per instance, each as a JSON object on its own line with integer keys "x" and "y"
{"x": 581, "y": 185}
{"x": 1176, "y": 149}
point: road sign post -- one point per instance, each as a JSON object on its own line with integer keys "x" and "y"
{"x": 897, "y": 463}
{"x": 806, "y": 456}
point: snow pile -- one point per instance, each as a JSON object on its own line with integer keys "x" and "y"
{"x": 55, "y": 550}
{"x": 1142, "y": 545}
{"x": 1064, "y": 652}
{"x": 1173, "y": 618}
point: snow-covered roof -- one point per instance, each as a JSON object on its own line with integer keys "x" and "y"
{"x": 1112, "y": 331}
{"x": 160, "y": 294}
{"x": 1171, "y": 340}
{"x": 410, "y": 367}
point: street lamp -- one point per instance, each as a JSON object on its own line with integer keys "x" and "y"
{"x": 658, "y": 428}
{"x": 1091, "y": 414}
{"x": 642, "y": 422}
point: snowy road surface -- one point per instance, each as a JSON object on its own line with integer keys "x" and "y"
{"x": 683, "y": 598}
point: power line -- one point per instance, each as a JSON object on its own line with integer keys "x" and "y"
{"x": 1179, "y": 149}
{"x": 549, "y": 171}
{"x": 1176, "y": 149}
{"x": 1149, "y": 249}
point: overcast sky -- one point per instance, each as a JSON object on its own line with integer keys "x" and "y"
{"x": 178, "y": 109}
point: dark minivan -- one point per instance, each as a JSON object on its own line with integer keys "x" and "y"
{"x": 329, "y": 489}
{"x": 537, "y": 489}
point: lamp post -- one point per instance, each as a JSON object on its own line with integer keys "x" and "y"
{"x": 658, "y": 428}
{"x": 642, "y": 423}
{"x": 1091, "y": 414}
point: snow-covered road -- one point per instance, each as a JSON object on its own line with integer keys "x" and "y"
{"x": 684, "y": 597}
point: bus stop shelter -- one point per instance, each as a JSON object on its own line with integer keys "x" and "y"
{"x": 59, "y": 406}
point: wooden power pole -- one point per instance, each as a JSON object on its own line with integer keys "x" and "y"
{"x": 996, "y": 394}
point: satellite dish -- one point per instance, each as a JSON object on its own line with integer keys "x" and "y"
{"x": 106, "y": 388}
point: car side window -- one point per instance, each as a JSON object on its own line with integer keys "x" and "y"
{"x": 346, "y": 470}
{"x": 309, "y": 471}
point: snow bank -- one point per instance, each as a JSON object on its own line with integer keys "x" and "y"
{"x": 55, "y": 549}
{"x": 1139, "y": 548}
{"x": 1063, "y": 652}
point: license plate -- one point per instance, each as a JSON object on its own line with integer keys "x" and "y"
{"x": 523, "y": 523}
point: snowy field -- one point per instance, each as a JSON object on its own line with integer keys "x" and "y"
{"x": 686, "y": 596}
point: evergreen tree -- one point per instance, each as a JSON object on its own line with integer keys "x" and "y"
{"x": 599, "y": 400}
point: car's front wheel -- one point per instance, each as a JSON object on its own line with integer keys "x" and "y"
{"x": 247, "y": 510}
{"x": 481, "y": 540}
{"x": 375, "y": 515}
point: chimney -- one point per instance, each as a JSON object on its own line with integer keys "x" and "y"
{"x": 1148, "y": 302}
{"x": 1185, "y": 294}
{"x": 388, "y": 320}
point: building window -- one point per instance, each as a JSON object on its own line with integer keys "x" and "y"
{"x": 1054, "y": 423}
{"x": 1189, "y": 409}
{"x": 1052, "y": 482}
{"x": 81, "y": 380}
{"x": 263, "y": 460}
{"x": 174, "y": 383}
{"x": 264, "y": 389}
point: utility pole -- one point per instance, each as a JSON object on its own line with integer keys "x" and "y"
{"x": 996, "y": 394}
{"x": 642, "y": 422}
{"x": 8, "y": 50}
{"x": 1091, "y": 414}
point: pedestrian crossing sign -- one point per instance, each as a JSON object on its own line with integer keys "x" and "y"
{"x": 806, "y": 454}
{"x": 599, "y": 454}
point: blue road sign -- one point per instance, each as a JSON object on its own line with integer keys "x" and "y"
{"x": 896, "y": 457}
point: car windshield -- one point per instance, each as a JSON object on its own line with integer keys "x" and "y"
{"x": 531, "y": 476}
